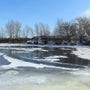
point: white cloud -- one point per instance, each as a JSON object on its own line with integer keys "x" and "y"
{"x": 87, "y": 12}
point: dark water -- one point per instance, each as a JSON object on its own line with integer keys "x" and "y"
{"x": 29, "y": 56}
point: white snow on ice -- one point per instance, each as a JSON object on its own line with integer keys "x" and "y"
{"x": 82, "y": 52}
{"x": 45, "y": 59}
{"x": 54, "y": 57}
{"x": 25, "y": 49}
{"x": 49, "y": 59}
{"x": 1, "y": 54}
{"x": 18, "y": 63}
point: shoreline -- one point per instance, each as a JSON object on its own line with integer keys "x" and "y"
{"x": 47, "y": 45}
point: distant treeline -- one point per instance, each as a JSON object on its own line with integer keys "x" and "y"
{"x": 79, "y": 26}
{"x": 18, "y": 40}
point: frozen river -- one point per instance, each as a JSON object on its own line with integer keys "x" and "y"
{"x": 25, "y": 67}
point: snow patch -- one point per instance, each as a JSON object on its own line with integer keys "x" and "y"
{"x": 53, "y": 57}
{"x": 1, "y": 54}
{"x": 15, "y": 63}
{"x": 25, "y": 49}
{"x": 18, "y": 63}
{"x": 49, "y": 59}
{"x": 83, "y": 53}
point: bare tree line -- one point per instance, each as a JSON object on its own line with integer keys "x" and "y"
{"x": 42, "y": 30}
{"x": 13, "y": 29}
{"x": 77, "y": 27}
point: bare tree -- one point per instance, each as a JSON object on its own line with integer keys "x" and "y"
{"x": 17, "y": 29}
{"x": 44, "y": 29}
{"x": 59, "y": 29}
{"x": 31, "y": 32}
{"x": 10, "y": 29}
{"x": 2, "y": 33}
{"x": 74, "y": 28}
{"x": 66, "y": 28}
{"x": 37, "y": 30}
{"x": 84, "y": 25}
{"x": 28, "y": 32}
{"x": 41, "y": 29}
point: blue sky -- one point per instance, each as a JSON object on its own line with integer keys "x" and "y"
{"x": 46, "y": 11}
